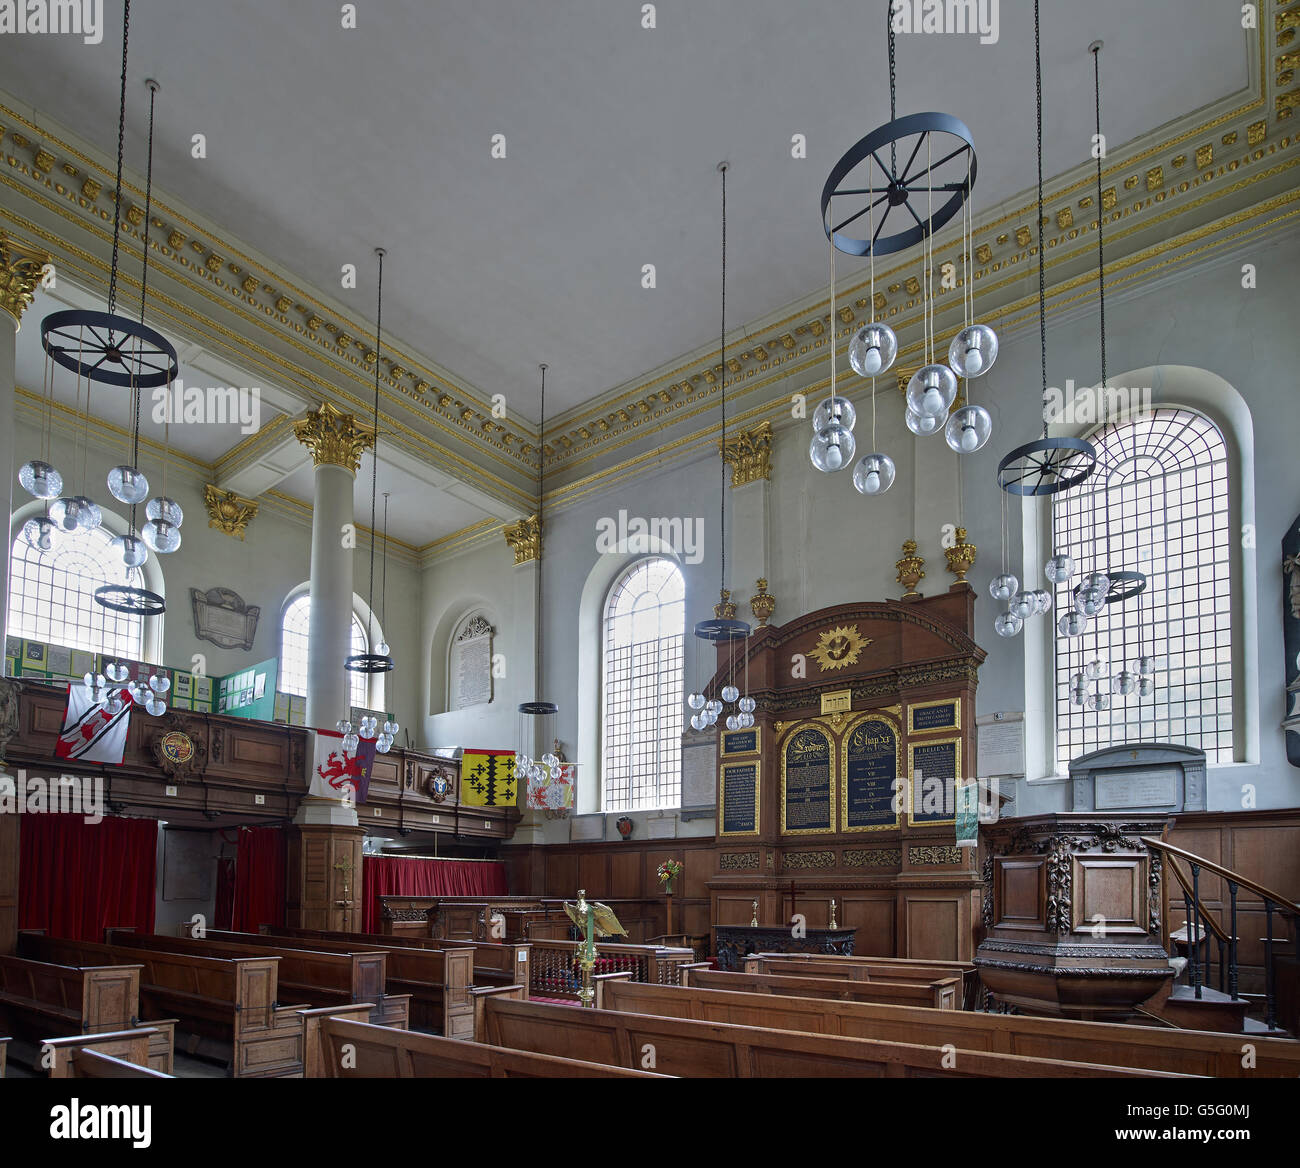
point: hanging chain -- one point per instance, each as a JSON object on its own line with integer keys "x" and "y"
{"x": 121, "y": 135}
{"x": 832, "y": 338}
{"x": 1042, "y": 284}
{"x": 723, "y": 376}
{"x": 541, "y": 455}
{"x": 374, "y": 462}
{"x": 893, "y": 88}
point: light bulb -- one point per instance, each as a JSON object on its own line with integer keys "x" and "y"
{"x": 160, "y": 685}
{"x": 874, "y": 474}
{"x": 1125, "y": 682}
{"x": 1078, "y": 697}
{"x": 41, "y": 534}
{"x": 730, "y": 693}
{"x": 1099, "y": 702}
{"x": 968, "y": 429}
{"x": 166, "y": 509}
{"x": 1097, "y": 583}
{"x": 731, "y": 722}
{"x": 1146, "y": 686}
{"x": 1023, "y": 604}
{"x": 1003, "y": 587}
{"x": 550, "y": 760}
{"x": 1072, "y": 624}
{"x": 713, "y": 707}
{"x": 747, "y": 705}
{"x": 1087, "y": 601}
{"x": 973, "y": 351}
{"x": 396, "y": 727}
{"x": 931, "y": 391}
{"x": 382, "y": 648}
{"x": 1146, "y": 666}
{"x": 127, "y": 484}
{"x": 872, "y": 349}
{"x": 155, "y": 706}
{"x": 131, "y": 550}
{"x": 40, "y": 479}
{"x": 746, "y": 720}
{"x": 1059, "y": 568}
{"x": 696, "y": 701}
{"x": 713, "y": 717}
{"x": 698, "y": 721}
{"x": 836, "y": 411}
{"x": 832, "y": 448}
{"x": 161, "y": 536}
{"x": 339, "y": 725}
{"x": 1007, "y": 624}
{"x": 114, "y": 704}
{"x": 922, "y": 424}
{"x": 1094, "y": 669}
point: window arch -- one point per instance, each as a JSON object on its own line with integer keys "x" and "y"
{"x": 641, "y": 687}
{"x": 51, "y": 594}
{"x": 1158, "y": 502}
{"x": 294, "y": 630}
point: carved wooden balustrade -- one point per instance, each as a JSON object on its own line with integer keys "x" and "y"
{"x": 554, "y": 971}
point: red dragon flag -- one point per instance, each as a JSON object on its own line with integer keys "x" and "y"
{"x": 336, "y": 775}
{"x": 90, "y": 733}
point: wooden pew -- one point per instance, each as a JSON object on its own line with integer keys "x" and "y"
{"x": 436, "y": 980}
{"x": 715, "y": 1050}
{"x": 877, "y": 969}
{"x": 39, "y": 1000}
{"x": 122, "y": 1054}
{"x": 4, "y": 1046}
{"x": 495, "y": 963}
{"x": 318, "y": 977}
{"x": 228, "y": 1007}
{"x": 358, "y": 1050}
{"x": 1189, "y": 1052}
{"x": 943, "y": 994}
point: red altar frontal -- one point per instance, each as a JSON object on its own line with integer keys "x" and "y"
{"x": 838, "y": 804}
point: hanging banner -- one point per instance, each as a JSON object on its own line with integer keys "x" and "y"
{"x": 487, "y": 778}
{"x": 968, "y": 814}
{"x": 90, "y": 733}
{"x": 554, "y": 790}
{"x": 336, "y": 776}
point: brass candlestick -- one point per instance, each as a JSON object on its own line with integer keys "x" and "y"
{"x": 833, "y": 924}
{"x": 961, "y": 556}
{"x": 753, "y": 924}
{"x": 911, "y": 568}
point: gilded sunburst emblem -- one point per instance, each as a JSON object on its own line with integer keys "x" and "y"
{"x": 839, "y": 647}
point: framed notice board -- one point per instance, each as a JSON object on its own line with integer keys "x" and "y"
{"x": 933, "y": 768}
{"x": 807, "y": 782}
{"x": 748, "y": 741}
{"x": 933, "y": 717}
{"x": 738, "y": 798}
{"x": 869, "y": 774}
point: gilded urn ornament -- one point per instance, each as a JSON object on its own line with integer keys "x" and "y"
{"x": 762, "y": 604}
{"x": 911, "y": 568}
{"x": 961, "y": 556}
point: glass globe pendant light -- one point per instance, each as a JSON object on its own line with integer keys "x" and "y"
{"x": 971, "y": 354}
{"x": 832, "y": 449}
{"x": 1072, "y": 624}
{"x": 40, "y": 480}
{"x": 974, "y": 349}
{"x": 1003, "y": 586}
{"x": 931, "y": 391}
{"x": 1008, "y": 624}
{"x": 1059, "y": 568}
{"x": 41, "y": 533}
{"x": 968, "y": 429}
{"x": 922, "y": 425}
{"x": 832, "y": 445}
{"x": 874, "y": 473}
{"x": 873, "y": 349}
{"x": 128, "y": 485}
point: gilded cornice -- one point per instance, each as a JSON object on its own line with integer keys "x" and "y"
{"x": 227, "y": 511}
{"x": 333, "y": 437}
{"x": 525, "y": 539}
{"x": 21, "y": 268}
{"x": 749, "y": 454}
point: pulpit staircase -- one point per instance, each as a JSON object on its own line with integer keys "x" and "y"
{"x": 1205, "y": 993}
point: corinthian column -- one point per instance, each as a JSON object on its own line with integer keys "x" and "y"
{"x": 336, "y": 441}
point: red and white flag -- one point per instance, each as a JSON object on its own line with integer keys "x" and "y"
{"x": 337, "y": 776}
{"x": 90, "y": 733}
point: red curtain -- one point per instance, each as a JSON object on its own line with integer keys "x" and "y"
{"x": 260, "y": 882}
{"x": 75, "y": 879}
{"x": 399, "y": 876}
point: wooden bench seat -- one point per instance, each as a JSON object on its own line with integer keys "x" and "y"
{"x": 875, "y": 969}
{"x": 4, "y": 1048}
{"x": 40, "y": 1000}
{"x": 227, "y": 1007}
{"x": 358, "y": 1050}
{"x": 316, "y": 977}
{"x": 944, "y": 994}
{"x": 1189, "y": 1052}
{"x": 122, "y": 1054}
{"x": 715, "y": 1050}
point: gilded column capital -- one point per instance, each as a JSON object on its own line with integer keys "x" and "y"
{"x": 525, "y": 539}
{"x": 333, "y": 437}
{"x": 227, "y": 511}
{"x": 749, "y": 454}
{"x": 21, "y": 269}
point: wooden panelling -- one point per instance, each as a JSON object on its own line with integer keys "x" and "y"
{"x": 1110, "y": 894}
{"x": 933, "y": 924}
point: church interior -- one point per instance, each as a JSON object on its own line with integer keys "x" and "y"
{"x": 834, "y": 467}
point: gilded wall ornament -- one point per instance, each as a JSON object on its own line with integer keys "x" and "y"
{"x": 227, "y": 511}
{"x": 839, "y": 647}
{"x": 961, "y": 556}
{"x": 525, "y": 539}
{"x": 333, "y": 437}
{"x": 21, "y": 268}
{"x": 749, "y": 454}
{"x": 911, "y": 568}
{"x": 762, "y": 604}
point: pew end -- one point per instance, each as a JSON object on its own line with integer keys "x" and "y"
{"x": 65, "y": 1058}
{"x": 600, "y": 979}
{"x": 480, "y": 996}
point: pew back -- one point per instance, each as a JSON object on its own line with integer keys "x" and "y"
{"x": 120, "y": 1054}
{"x": 944, "y": 994}
{"x": 874, "y": 968}
{"x": 91, "y": 998}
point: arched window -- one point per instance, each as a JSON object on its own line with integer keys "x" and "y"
{"x": 1158, "y": 503}
{"x": 52, "y": 595}
{"x": 293, "y": 653}
{"x": 641, "y": 688}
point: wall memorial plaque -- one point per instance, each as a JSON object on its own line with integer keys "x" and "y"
{"x": 807, "y": 764}
{"x": 870, "y": 770}
{"x": 471, "y": 665}
{"x": 738, "y": 796}
{"x": 742, "y": 741}
{"x": 925, "y": 717}
{"x": 933, "y": 768}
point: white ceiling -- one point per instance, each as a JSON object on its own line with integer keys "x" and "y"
{"x": 323, "y": 143}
